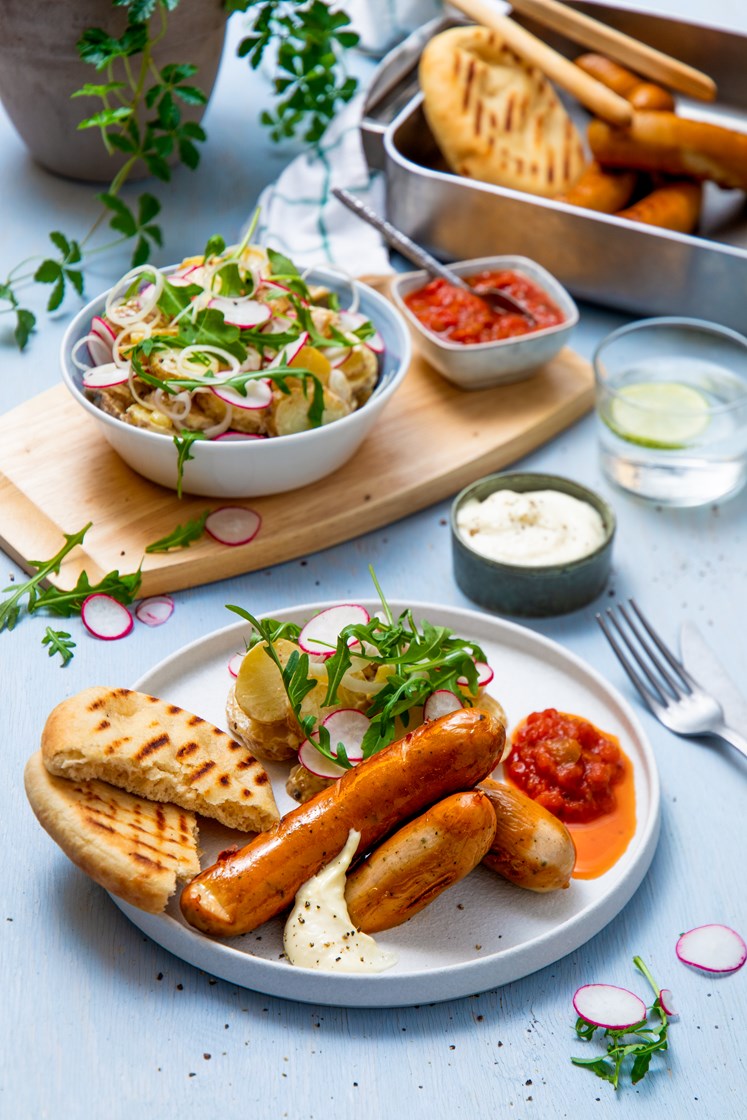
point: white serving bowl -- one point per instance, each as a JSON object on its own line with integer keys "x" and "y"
{"x": 483, "y": 364}
{"x": 257, "y": 467}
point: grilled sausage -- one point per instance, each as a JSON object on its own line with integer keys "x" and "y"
{"x": 600, "y": 190}
{"x": 674, "y": 205}
{"x": 444, "y": 756}
{"x": 674, "y": 146}
{"x": 532, "y": 848}
{"x": 640, "y": 94}
{"x": 412, "y": 868}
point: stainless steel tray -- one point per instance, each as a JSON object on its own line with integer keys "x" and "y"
{"x": 636, "y": 268}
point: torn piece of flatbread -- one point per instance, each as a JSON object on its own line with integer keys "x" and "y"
{"x": 495, "y": 116}
{"x": 160, "y": 751}
{"x": 134, "y": 848}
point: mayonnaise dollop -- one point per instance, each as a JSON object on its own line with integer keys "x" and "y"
{"x": 319, "y": 932}
{"x": 531, "y": 529}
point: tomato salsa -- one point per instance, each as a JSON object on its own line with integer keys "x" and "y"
{"x": 566, "y": 764}
{"x": 458, "y": 316}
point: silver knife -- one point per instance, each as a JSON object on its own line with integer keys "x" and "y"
{"x": 703, "y": 664}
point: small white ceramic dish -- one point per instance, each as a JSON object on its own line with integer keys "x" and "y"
{"x": 253, "y": 468}
{"x": 506, "y": 360}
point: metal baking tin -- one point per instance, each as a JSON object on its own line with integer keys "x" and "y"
{"x": 598, "y": 257}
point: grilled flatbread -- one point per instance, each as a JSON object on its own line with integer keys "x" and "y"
{"x": 136, "y": 849}
{"x": 160, "y": 751}
{"x": 495, "y": 116}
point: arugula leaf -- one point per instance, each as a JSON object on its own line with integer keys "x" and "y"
{"x": 635, "y": 1045}
{"x": 63, "y": 604}
{"x": 59, "y": 641}
{"x": 182, "y": 536}
{"x": 183, "y": 444}
{"x": 10, "y": 607}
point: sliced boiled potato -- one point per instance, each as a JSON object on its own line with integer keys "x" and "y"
{"x": 291, "y": 412}
{"x": 259, "y": 685}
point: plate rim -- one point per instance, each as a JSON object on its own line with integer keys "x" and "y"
{"x": 401, "y": 989}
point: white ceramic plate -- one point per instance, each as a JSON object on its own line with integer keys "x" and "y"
{"x": 481, "y": 933}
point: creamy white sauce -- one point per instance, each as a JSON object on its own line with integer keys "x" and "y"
{"x": 319, "y": 932}
{"x": 532, "y": 529}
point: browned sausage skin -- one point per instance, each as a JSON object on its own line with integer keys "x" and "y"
{"x": 256, "y": 883}
{"x": 674, "y": 205}
{"x": 600, "y": 190}
{"x": 420, "y": 861}
{"x": 532, "y": 848}
{"x": 641, "y": 94}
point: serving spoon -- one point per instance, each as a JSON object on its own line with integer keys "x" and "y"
{"x": 495, "y": 298}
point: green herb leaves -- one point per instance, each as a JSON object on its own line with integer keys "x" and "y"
{"x": 62, "y": 604}
{"x": 629, "y": 1050}
{"x": 310, "y": 81}
{"x": 182, "y": 536}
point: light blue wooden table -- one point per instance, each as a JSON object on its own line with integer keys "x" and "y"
{"x": 97, "y": 1021}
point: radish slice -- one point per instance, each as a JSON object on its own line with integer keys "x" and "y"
{"x": 233, "y": 525}
{"x": 320, "y": 634}
{"x": 235, "y": 664}
{"x": 285, "y": 356}
{"x": 241, "y": 312}
{"x": 337, "y": 355}
{"x": 440, "y": 703}
{"x": 484, "y": 675}
{"x": 317, "y": 763}
{"x": 155, "y": 611}
{"x": 267, "y": 283}
{"x": 605, "y": 1005}
{"x": 236, "y": 436}
{"x": 714, "y": 948}
{"x": 347, "y": 726}
{"x": 99, "y": 349}
{"x": 667, "y": 1002}
{"x": 104, "y": 376}
{"x": 103, "y": 329}
{"x": 105, "y": 618}
{"x": 258, "y": 394}
{"x": 352, "y": 320}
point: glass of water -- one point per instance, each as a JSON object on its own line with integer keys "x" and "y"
{"x": 672, "y": 410}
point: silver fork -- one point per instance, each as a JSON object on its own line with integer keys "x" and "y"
{"x": 674, "y": 697}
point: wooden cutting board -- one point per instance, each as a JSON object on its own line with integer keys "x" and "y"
{"x": 57, "y": 473}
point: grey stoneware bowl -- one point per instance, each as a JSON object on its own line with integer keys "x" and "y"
{"x": 504, "y": 361}
{"x": 537, "y": 591}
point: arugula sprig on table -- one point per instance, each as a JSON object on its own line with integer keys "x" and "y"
{"x": 182, "y": 536}
{"x": 60, "y": 603}
{"x": 629, "y": 1049}
{"x": 420, "y": 659}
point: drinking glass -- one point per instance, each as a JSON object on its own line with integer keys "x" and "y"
{"x": 672, "y": 410}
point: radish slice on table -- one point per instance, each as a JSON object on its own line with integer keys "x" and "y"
{"x": 258, "y": 394}
{"x": 235, "y": 664}
{"x": 236, "y": 436}
{"x": 241, "y": 312}
{"x": 104, "y": 376}
{"x": 233, "y": 525}
{"x": 714, "y": 948}
{"x": 484, "y": 675}
{"x": 606, "y": 1005}
{"x": 320, "y": 634}
{"x": 105, "y": 618}
{"x": 440, "y": 703}
{"x": 666, "y": 1000}
{"x": 155, "y": 611}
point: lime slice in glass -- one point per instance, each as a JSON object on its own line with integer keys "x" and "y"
{"x": 660, "y": 414}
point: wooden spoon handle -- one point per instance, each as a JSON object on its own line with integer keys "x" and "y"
{"x": 645, "y": 60}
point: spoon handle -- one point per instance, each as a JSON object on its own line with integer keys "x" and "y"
{"x": 399, "y": 240}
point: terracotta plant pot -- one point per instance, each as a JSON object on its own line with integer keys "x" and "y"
{"x": 40, "y": 69}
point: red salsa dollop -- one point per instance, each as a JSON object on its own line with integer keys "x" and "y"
{"x": 566, "y": 764}
{"x": 458, "y": 316}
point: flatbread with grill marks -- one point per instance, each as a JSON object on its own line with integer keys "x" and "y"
{"x": 134, "y": 848}
{"x": 495, "y": 116}
{"x": 160, "y": 751}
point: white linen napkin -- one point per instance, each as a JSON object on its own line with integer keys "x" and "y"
{"x": 300, "y": 217}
